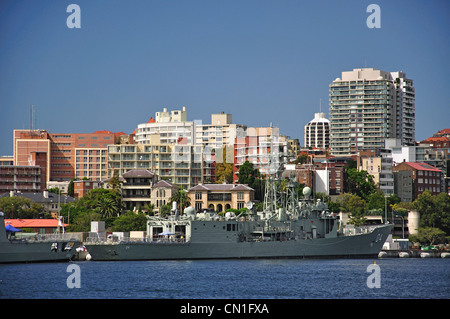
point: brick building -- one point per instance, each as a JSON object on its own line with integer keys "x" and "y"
{"x": 64, "y": 156}
{"x": 412, "y": 179}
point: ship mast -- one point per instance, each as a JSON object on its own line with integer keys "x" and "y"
{"x": 273, "y": 199}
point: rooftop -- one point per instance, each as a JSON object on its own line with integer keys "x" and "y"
{"x": 422, "y": 166}
{"x": 221, "y": 187}
{"x": 33, "y": 223}
{"x": 138, "y": 173}
{"x": 45, "y": 197}
{"x": 166, "y": 184}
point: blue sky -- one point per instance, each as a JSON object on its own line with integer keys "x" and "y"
{"x": 262, "y": 61}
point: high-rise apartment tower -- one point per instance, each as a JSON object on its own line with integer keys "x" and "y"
{"x": 367, "y": 106}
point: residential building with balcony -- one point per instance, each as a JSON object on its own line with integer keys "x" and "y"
{"x": 172, "y": 128}
{"x": 179, "y": 164}
{"x": 367, "y": 106}
{"x": 136, "y": 188}
{"x": 24, "y": 179}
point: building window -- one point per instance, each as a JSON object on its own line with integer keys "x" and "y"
{"x": 240, "y": 205}
{"x": 240, "y": 195}
{"x": 198, "y": 195}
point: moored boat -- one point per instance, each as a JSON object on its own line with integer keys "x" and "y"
{"x": 305, "y": 230}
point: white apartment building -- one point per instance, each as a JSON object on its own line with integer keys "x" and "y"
{"x": 172, "y": 128}
{"x": 317, "y": 132}
{"x": 367, "y": 106}
{"x": 220, "y": 132}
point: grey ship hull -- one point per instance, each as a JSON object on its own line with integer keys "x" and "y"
{"x": 362, "y": 245}
{"x": 24, "y": 252}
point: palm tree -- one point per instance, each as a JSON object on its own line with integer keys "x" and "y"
{"x": 108, "y": 207}
{"x": 181, "y": 197}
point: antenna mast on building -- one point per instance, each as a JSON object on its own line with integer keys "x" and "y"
{"x": 32, "y": 116}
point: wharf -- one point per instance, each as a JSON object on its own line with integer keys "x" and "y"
{"x": 414, "y": 253}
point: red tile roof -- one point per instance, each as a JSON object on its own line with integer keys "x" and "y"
{"x": 423, "y": 166}
{"x": 33, "y": 223}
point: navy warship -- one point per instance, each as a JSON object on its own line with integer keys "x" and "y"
{"x": 296, "y": 228}
{"x": 46, "y": 248}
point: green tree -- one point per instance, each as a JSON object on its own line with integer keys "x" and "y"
{"x": 70, "y": 188}
{"x": 20, "y": 207}
{"x": 81, "y": 222}
{"x": 54, "y": 190}
{"x": 108, "y": 206}
{"x": 252, "y": 177}
{"x": 164, "y": 210}
{"x": 130, "y": 221}
{"x": 360, "y": 183}
{"x": 356, "y": 206}
{"x": 114, "y": 182}
{"x": 434, "y": 210}
{"x": 376, "y": 200}
{"x": 428, "y": 236}
{"x": 97, "y": 205}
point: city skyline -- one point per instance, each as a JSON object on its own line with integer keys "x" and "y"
{"x": 263, "y": 62}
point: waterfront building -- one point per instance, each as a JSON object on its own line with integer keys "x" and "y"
{"x": 411, "y": 179}
{"x": 369, "y": 105}
{"x": 317, "y": 132}
{"x": 220, "y": 197}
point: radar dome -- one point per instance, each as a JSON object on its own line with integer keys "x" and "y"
{"x": 306, "y": 191}
{"x": 189, "y": 211}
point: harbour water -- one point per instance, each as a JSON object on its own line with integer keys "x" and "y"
{"x": 424, "y": 278}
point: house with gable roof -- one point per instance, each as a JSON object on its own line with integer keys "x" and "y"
{"x": 220, "y": 197}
